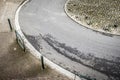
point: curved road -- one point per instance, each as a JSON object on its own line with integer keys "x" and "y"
{"x": 72, "y": 46}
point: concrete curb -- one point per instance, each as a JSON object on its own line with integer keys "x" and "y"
{"x": 38, "y": 54}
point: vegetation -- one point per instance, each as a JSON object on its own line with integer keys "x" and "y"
{"x": 97, "y": 14}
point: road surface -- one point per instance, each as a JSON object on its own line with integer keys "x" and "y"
{"x": 87, "y": 53}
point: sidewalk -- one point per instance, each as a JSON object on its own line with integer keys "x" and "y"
{"x": 15, "y": 64}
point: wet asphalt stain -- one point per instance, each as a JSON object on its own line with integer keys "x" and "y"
{"x": 107, "y": 67}
{"x": 110, "y": 68}
{"x": 34, "y": 40}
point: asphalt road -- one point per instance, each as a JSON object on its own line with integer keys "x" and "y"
{"x": 71, "y": 45}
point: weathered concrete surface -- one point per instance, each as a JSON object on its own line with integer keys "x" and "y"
{"x": 78, "y": 49}
{"x": 19, "y": 65}
{"x": 7, "y": 10}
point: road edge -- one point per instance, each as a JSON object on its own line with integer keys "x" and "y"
{"x": 37, "y": 54}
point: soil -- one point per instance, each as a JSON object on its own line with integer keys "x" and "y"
{"x": 100, "y": 15}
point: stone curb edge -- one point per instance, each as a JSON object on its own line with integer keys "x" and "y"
{"x": 38, "y": 54}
